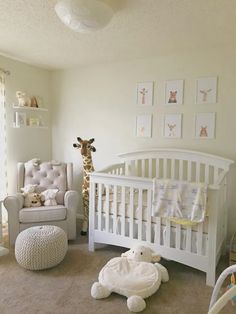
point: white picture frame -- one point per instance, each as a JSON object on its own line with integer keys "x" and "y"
{"x": 172, "y": 125}
{"x": 145, "y": 93}
{"x": 174, "y": 92}
{"x": 20, "y": 119}
{"x": 205, "y": 125}
{"x": 143, "y": 125}
{"x": 206, "y": 90}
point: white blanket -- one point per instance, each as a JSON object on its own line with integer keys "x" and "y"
{"x": 180, "y": 201}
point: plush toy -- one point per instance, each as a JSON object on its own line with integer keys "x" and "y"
{"x": 35, "y": 162}
{"x": 33, "y": 102}
{"x": 49, "y": 197}
{"x": 29, "y": 188}
{"x": 32, "y": 200}
{"x": 132, "y": 275}
{"x": 23, "y": 101}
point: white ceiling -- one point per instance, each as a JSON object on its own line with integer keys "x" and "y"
{"x": 31, "y": 32}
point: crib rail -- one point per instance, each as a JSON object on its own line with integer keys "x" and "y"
{"x": 176, "y": 164}
{"x": 121, "y": 206}
{"x": 118, "y": 169}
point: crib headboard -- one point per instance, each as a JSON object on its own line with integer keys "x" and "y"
{"x": 176, "y": 164}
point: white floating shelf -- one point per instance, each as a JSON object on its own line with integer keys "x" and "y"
{"x": 29, "y": 108}
{"x": 30, "y": 127}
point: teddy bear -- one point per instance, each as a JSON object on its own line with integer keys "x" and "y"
{"x": 23, "y": 101}
{"x": 132, "y": 275}
{"x": 49, "y": 197}
{"x": 31, "y": 198}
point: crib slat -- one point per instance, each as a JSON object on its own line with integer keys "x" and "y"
{"x": 215, "y": 174}
{"x": 178, "y": 237}
{"x": 143, "y": 168}
{"x": 157, "y": 237}
{"x": 165, "y": 168}
{"x": 206, "y": 180}
{"x": 157, "y": 168}
{"x": 100, "y": 206}
{"x": 149, "y": 215}
{"x": 150, "y": 168}
{"x": 115, "y": 209}
{"x": 197, "y": 172}
{"x": 140, "y": 214}
{"x": 199, "y": 238}
{"x": 188, "y": 238}
{"x": 131, "y": 214}
{"x": 168, "y": 230}
{"x": 107, "y": 209}
{"x": 136, "y": 167}
{"x": 123, "y": 210}
{"x": 181, "y": 170}
{"x": 189, "y": 176}
{"x": 172, "y": 169}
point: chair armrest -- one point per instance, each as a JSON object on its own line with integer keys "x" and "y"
{"x": 14, "y": 202}
{"x": 71, "y": 201}
{"x": 13, "y": 205}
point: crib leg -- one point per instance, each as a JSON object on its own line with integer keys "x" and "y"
{"x": 91, "y": 245}
{"x": 211, "y": 277}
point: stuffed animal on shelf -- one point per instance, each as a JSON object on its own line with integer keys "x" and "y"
{"x": 132, "y": 275}
{"x": 49, "y": 197}
{"x": 33, "y": 102}
{"x": 23, "y": 101}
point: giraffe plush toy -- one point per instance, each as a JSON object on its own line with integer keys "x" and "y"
{"x": 86, "y": 148}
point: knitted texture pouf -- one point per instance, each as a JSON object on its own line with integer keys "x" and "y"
{"x": 41, "y": 247}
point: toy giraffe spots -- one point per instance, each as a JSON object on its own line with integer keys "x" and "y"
{"x": 86, "y": 148}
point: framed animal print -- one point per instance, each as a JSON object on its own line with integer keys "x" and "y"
{"x": 205, "y": 125}
{"x": 174, "y": 92}
{"x": 206, "y": 90}
{"x": 145, "y": 94}
{"x": 172, "y": 126}
{"x": 144, "y": 125}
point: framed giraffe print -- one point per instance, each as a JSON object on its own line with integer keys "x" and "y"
{"x": 174, "y": 92}
{"x": 144, "y": 125}
{"x": 172, "y": 126}
{"x": 206, "y": 90}
{"x": 205, "y": 125}
{"x": 145, "y": 93}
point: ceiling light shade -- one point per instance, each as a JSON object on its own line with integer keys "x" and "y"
{"x": 84, "y": 15}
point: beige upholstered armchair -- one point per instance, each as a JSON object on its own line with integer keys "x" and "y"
{"x": 45, "y": 175}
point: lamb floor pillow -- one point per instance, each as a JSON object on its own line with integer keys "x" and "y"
{"x": 134, "y": 279}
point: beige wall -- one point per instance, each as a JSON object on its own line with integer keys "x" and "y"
{"x": 99, "y": 101}
{"x": 25, "y": 144}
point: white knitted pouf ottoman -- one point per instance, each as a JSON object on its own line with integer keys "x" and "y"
{"x": 41, "y": 247}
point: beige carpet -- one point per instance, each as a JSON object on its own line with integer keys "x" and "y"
{"x": 66, "y": 288}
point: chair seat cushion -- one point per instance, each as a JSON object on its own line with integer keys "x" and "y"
{"x": 42, "y": 213}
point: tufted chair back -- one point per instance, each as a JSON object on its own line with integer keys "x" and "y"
{"x": 47, "y": 175}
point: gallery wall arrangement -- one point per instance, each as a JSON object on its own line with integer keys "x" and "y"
{"x": 204, "y": 122}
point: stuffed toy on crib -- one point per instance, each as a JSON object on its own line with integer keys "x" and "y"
{"x": 132, "y": 275}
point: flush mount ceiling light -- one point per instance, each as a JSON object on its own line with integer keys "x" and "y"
{"x": 84, "y": 15}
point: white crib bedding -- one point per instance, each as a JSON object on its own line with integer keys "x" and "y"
{"x": 144, "y": 209}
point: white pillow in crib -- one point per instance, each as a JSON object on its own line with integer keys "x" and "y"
{"x": 128, "y": 277}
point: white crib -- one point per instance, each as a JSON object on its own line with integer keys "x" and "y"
{"x": 121, "y": 198}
